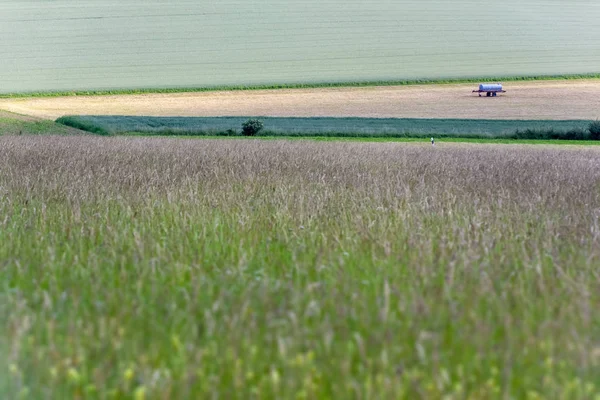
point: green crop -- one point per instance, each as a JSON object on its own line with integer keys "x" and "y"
{"x": 336, "y": 127}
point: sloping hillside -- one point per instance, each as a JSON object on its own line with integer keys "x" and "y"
{"x": 130, "y": 44}
{"x": 17, "y": 124}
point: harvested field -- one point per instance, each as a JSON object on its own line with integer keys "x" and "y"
{"x": 163, "y": 269}
{"x": 542, "y": 100}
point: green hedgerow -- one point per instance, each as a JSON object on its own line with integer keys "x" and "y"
{"x": 594, "y": 129}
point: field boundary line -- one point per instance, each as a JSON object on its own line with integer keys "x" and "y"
{"x": 318, "y": 85}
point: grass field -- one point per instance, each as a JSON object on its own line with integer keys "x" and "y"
{"x": 14, "y": 124}
{"x": 152, "y": 268}
{"x": 333, "y": 127}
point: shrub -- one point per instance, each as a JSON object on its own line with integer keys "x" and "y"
{"x": 575, "y": 134}
{"x": 594, "y": 129}
{"x": 251, "y": 127}
{"x": 551, "y": 134}
{"x": 530, "y": 134}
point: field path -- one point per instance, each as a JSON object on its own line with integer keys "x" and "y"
{"x": 553, "y": 100}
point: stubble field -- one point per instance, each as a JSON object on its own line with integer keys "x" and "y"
{"x": 163, "y": 268}
{"x": 534, "y": 100}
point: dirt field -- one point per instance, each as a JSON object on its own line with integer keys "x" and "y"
{"x": 524, "y": 100}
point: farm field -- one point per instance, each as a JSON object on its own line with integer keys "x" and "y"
{"x": 75, "y": 45}
{"x": 535, "y": 100}
{"x": 163, "y": 268}
{"x": 333, "y": 127}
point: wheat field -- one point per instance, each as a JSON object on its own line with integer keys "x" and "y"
{"x": 152, "y": 268}
{"x": 74, "y": 45}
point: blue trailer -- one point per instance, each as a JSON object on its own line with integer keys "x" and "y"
{"x": 490, "y": 90}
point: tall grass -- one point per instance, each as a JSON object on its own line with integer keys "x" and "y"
{"x": 160, "y": 268}
{"x": 9, "y": 125}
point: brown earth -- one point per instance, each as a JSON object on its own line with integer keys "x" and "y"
{"x": 554, "y": 100}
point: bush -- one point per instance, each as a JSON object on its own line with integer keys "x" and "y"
{"x": 251, "y": 127}
{"x": 551, "y": 134}
{"x": 575, "y": 134}
{"x": 532, "y": 134}
{"x": 594, "y": 129}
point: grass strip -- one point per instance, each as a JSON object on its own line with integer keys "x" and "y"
{"x": 315, "y": 85}
{"x": 13, "y": 126}
{"x": 383, "y": 140}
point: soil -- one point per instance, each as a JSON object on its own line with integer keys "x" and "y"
{"x": 549, "y": 100}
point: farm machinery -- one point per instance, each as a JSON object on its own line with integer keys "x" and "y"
{"x": 490, "y": 90}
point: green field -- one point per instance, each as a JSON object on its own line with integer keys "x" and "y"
{"x": 94, "y": 45}
{"x": 13, "y": 124}
{"x": 156, "y": 268}
{"x": 334, "y": 127}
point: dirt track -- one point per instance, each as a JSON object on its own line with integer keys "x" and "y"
{"x": 572, "y": 99}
